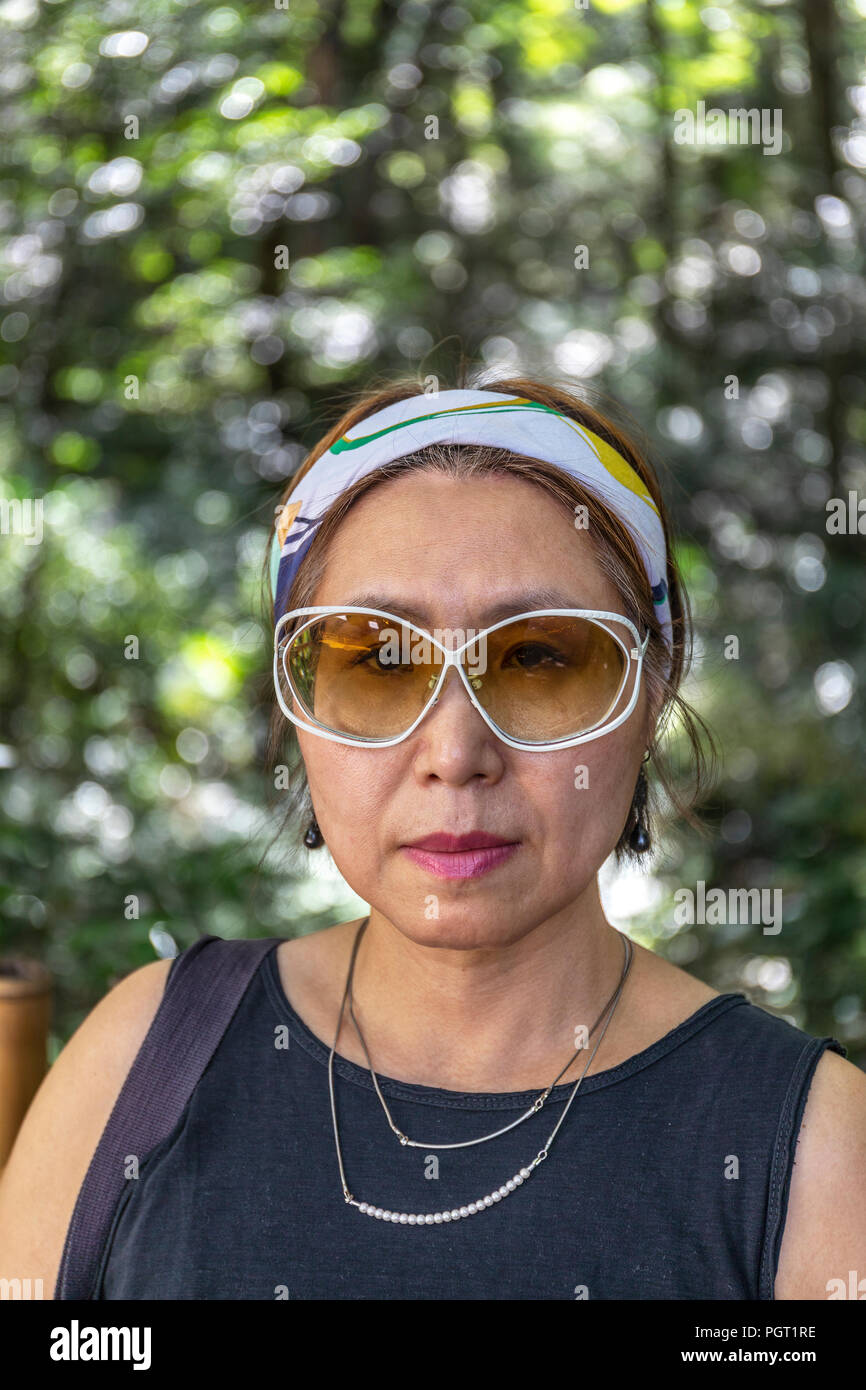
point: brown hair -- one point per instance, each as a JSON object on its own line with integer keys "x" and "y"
{"x": 615, "y": 552}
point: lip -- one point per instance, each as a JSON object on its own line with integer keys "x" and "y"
{"x": 453, "y": 844}
{"x": 460, "y": 856}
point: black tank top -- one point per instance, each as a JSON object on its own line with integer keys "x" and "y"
{"x": 669, "y": 1178}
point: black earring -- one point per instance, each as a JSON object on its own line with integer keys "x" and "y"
{"x": 639, "y": 839}
{"x": 313, "y": 839}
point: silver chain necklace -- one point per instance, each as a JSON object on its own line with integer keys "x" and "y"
{"x": 491, "y": 1198}
{"x": 466, "y": 1143}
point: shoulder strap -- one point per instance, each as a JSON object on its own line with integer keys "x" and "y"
{"x": 205, "y": 986}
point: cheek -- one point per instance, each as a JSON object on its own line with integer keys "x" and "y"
{"x": 584, "y": 801}
{"x": 573, "y": 805}
{"x": 347, "y": 785}
{"x": 354, "y": 793}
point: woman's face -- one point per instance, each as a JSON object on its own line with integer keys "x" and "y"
{"x": 448, "y": 550}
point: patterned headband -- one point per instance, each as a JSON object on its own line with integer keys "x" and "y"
{"x": 472, "y": 417}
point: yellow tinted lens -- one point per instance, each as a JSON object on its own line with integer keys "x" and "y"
{"x": 547, "y": 678}
{"x": 361, "y": 674}
{"x": 538, "y": 679}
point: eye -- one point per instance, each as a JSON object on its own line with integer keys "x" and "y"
{"x": 369, "y": 658}
{"x": 532, "y": 655}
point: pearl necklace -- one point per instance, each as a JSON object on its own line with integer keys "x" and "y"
{"x": 490, "y": 1199}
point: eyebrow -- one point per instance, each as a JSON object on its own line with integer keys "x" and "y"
{"x": 524, "y": 602}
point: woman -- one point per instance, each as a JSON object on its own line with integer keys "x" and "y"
{"x": 565, "y": 1114}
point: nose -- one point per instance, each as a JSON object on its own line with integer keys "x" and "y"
{"x": 451, "y": 684}
{"x": 454, "y": 742}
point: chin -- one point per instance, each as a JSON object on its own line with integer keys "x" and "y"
{"x": 460, "y": 926}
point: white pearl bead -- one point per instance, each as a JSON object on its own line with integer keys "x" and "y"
{"x": 456, "y": 1213}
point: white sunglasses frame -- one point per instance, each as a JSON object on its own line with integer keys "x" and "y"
{"x": 452, "y": 656}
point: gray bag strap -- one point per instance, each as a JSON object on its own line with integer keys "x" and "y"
{"x": 205, "y": 986}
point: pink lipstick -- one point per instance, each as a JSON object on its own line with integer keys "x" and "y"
{"x": 460, "y": 856}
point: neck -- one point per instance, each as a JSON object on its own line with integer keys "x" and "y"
{"x": 486, "y": 1017}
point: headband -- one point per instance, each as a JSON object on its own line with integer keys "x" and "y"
{"x": 472, "y": 417}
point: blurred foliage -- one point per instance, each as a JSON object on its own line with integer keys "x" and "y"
{"x": 428, "y": 171}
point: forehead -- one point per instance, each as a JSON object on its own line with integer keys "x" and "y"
{"x": 491, "y": 544}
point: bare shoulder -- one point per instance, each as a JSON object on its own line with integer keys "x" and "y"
{"x": 62, "y": 1127}
{"x": 307, "y": 961}
{"x": 825, "y": 1230}
{"x": 312, "y": 969}
{"x": 668, "y": 994}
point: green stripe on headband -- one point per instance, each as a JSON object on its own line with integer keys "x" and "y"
{"x": 519, "y": 403}
{"x": 609, "y": 457}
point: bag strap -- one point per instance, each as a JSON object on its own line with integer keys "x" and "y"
{"x": 205, "y": 986}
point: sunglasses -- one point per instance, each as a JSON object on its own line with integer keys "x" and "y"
{"x": 548, "y": 679}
